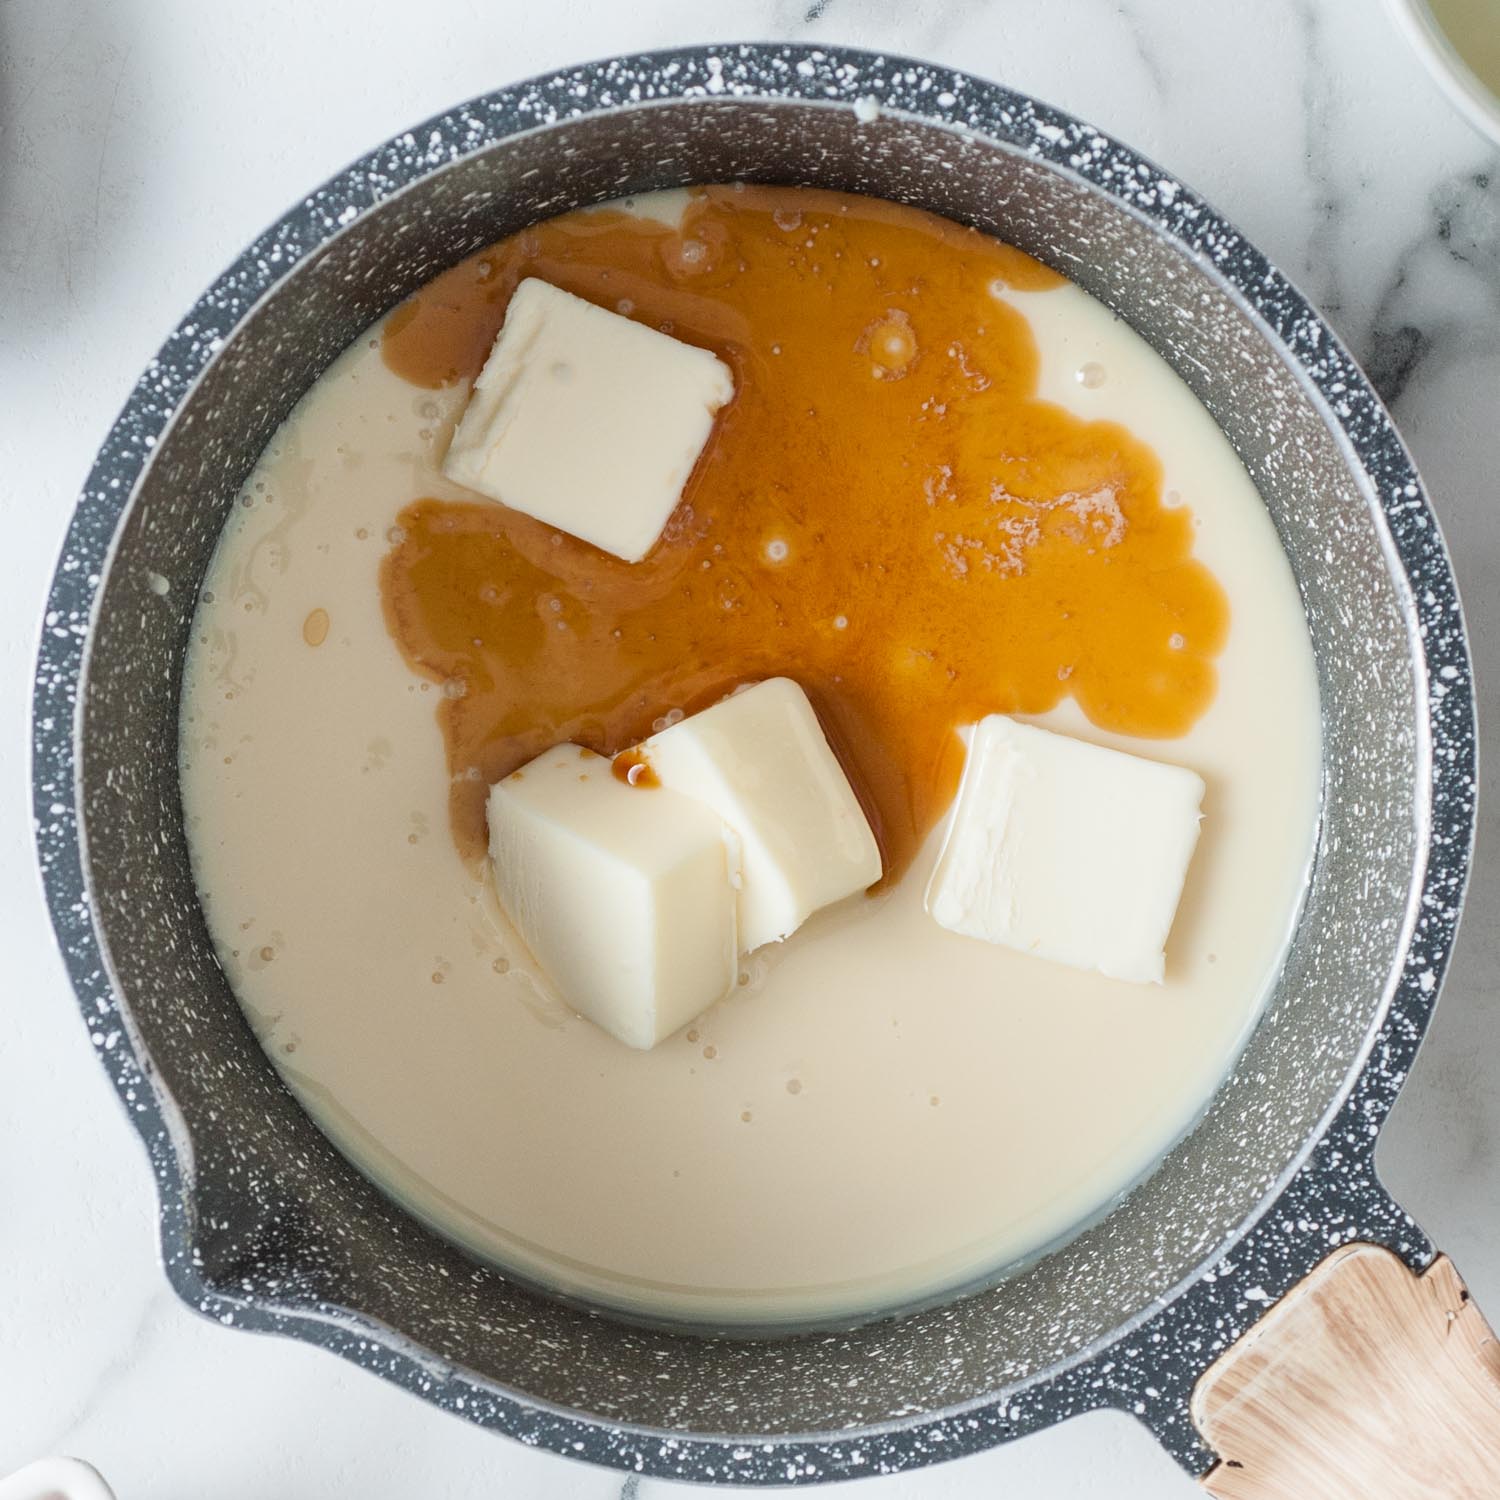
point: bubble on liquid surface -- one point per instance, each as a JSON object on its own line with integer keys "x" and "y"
{"x": 777, "y": 550}
{"x": 315, "y": 627}
{"x": 787, "y": 219}
{"x": 1090, "y": 376}
{"x": 891, "y": 343}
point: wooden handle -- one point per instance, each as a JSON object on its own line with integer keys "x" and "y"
{"x": 1365, "y": 1380}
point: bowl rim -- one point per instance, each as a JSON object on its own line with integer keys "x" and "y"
{"x": 1447, "y": 66}
{"x": 1213, "y": 1303}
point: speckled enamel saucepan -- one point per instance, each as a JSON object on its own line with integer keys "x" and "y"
{"x": 265, "y": 1227}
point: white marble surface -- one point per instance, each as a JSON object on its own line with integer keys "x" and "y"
{"x": 143, "y": 142}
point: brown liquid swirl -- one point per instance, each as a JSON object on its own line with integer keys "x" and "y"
{"x": 886, "y": 512}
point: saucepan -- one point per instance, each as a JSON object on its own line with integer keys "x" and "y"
{"x": 1174, "y": 1306}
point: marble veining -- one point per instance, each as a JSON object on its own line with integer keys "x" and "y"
{"x": 1442, "y": 301}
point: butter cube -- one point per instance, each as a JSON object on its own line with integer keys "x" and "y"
{"x": 760, "y": 760}
{"x": 622, "y": 893}
{"x": 1067, "y": 850}
{"x": 586, "y": 420}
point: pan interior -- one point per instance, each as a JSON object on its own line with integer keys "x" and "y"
{"x": 281, "y": 1219}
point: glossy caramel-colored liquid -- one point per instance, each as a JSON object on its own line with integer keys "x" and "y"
{"x": 886, "y": 512}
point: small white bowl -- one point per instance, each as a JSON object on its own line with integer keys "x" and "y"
{"x": 1472, "y": 97}
{"x": 55, "y": 1479}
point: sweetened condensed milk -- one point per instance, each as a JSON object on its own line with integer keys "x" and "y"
{"x": 949, "y": 484}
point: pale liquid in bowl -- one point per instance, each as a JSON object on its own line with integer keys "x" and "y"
{"x": 883, "y": 1111}
{"x": 1473, "y": 27}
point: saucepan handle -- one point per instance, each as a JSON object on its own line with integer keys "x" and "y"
{"x": 1367, "y": 1379}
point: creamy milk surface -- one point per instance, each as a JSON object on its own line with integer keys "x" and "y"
{"x": 1473, "y": 27}
{"x": 883, "y": 1110}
